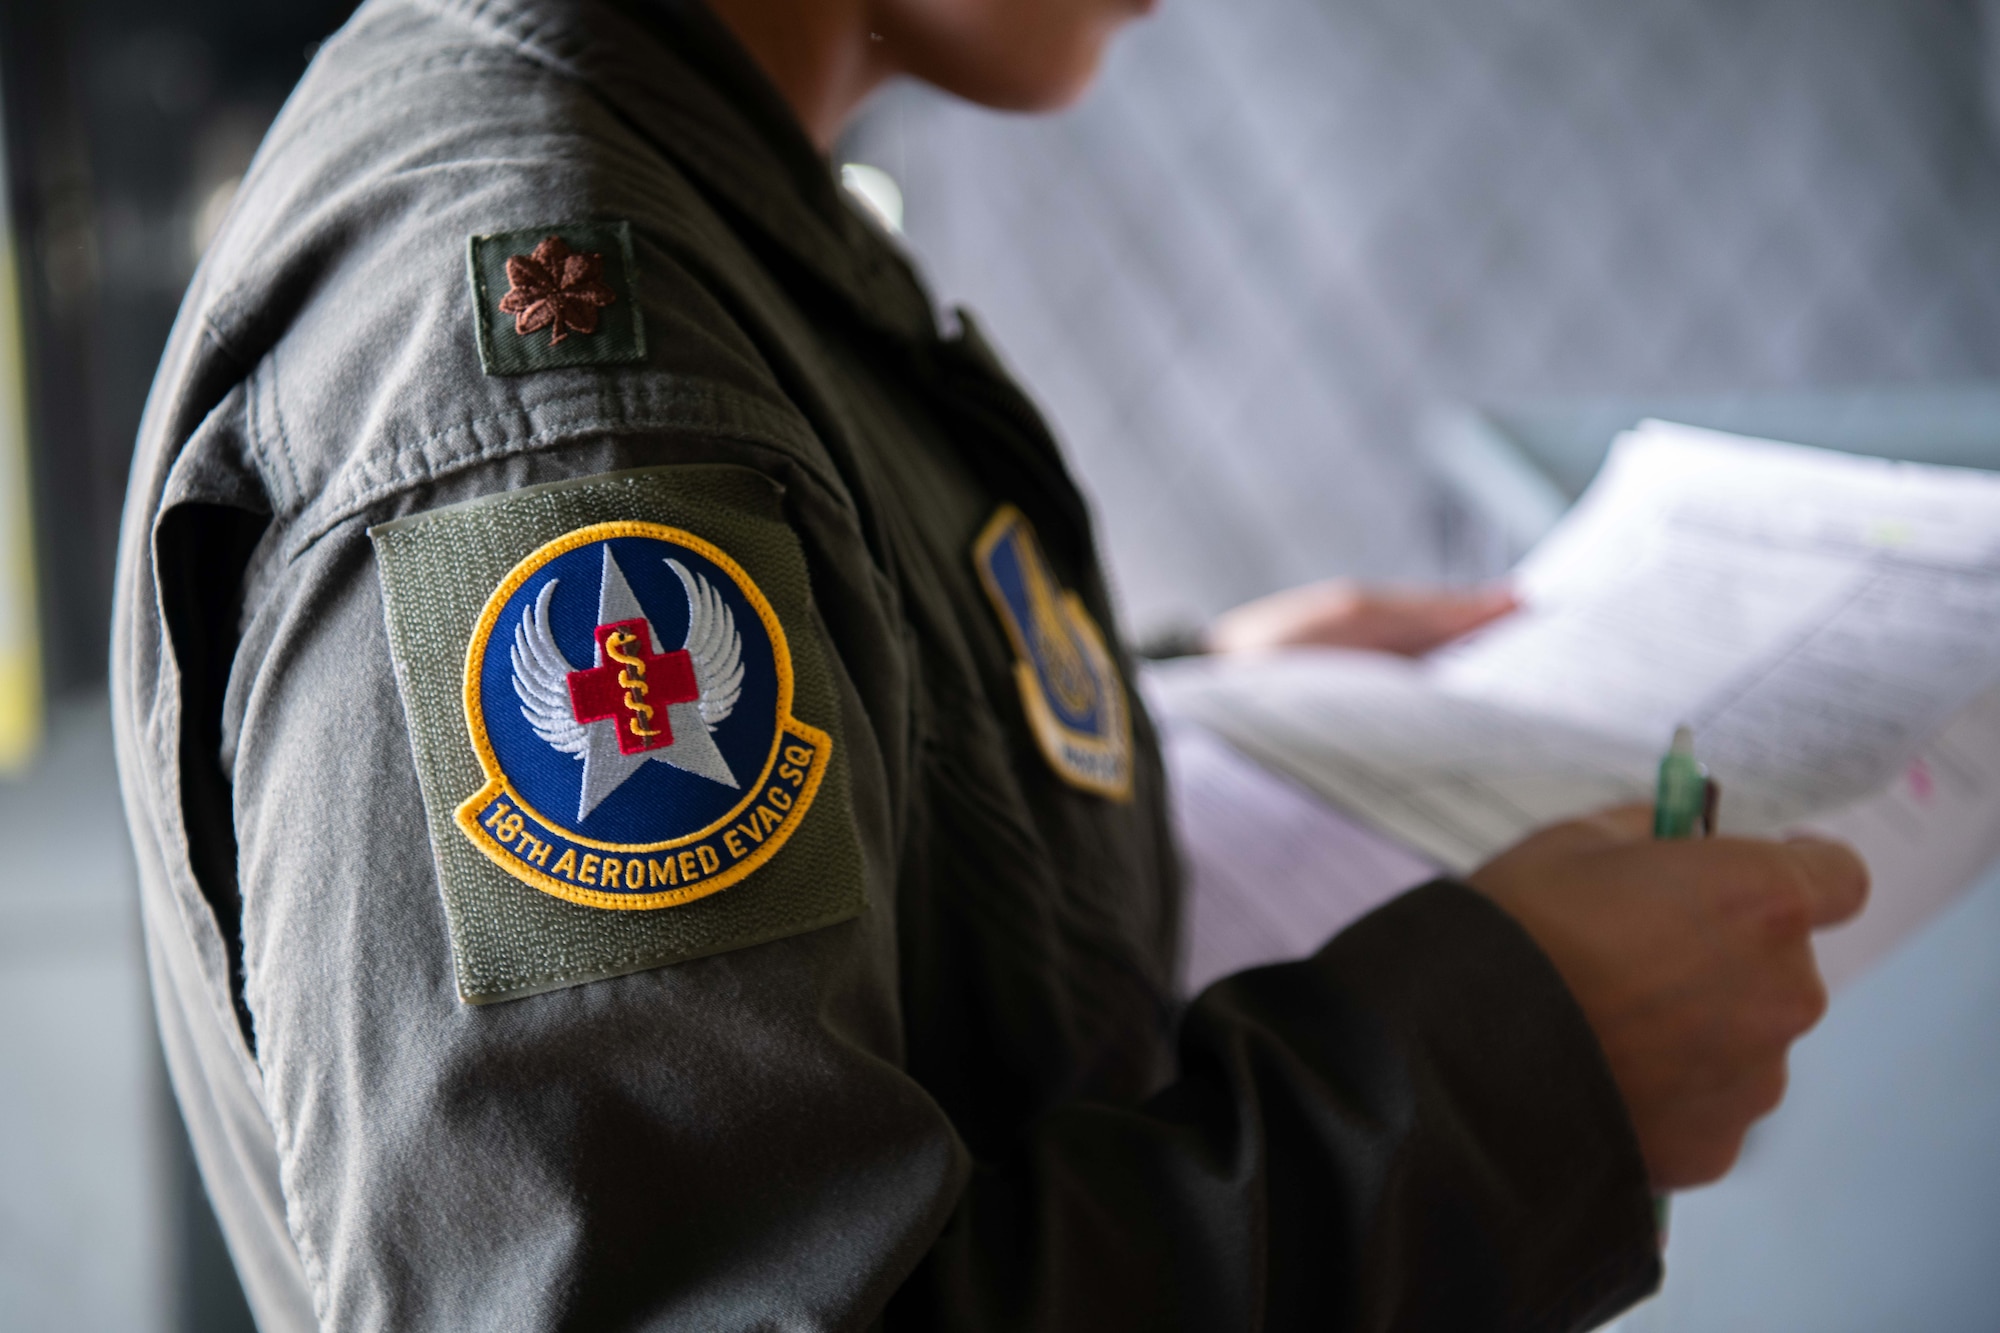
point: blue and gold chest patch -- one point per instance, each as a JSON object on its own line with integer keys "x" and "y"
{"x": 1070, "y": 686}
{"x": 629, "y": 694}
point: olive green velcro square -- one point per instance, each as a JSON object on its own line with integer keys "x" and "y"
{"x": 565, "y": 294}
{"x": 442, "y": 574}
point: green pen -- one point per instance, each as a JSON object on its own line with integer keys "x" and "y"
{"x": 1683, "y": 807}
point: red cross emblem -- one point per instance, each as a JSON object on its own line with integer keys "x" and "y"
{"x": 633, "y": 686}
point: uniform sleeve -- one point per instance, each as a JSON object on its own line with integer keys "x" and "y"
{"x": 1412, "y": 1129}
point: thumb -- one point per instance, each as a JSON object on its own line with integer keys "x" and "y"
{"x": 1414, "y": 623}
{"x": 1623, "y": 823}
{"x": 1834, "y": 878}
{"x": 1450, "y": 614}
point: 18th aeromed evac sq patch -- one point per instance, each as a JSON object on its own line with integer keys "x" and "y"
{"x": 629, "y": 692}
{"x": 629, "y": 753}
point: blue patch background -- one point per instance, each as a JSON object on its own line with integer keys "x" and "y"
{"x": 1005, "y": 563}
{"x": 658, "y": 803}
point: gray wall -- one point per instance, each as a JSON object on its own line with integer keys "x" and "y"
{"x": 1280, "y": 232}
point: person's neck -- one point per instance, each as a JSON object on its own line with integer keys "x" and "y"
{"x": 818, "y": 53}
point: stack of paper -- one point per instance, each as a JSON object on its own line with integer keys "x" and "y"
{"x": 1828, "y": 624}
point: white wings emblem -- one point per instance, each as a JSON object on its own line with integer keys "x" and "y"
{"x": 541, "y": 678}
{"x": 714, "y": 646}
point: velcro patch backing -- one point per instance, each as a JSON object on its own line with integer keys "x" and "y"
{"x": 623, "y": 723}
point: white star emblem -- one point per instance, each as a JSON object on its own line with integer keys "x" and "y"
{"x": 541, "y": 679}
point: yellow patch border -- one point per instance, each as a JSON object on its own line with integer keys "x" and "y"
{"x": 1051, "y": 735}
{"x": 497, "y": 783}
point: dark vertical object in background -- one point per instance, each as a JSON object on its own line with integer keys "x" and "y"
{"x": 128, "y": 123}
{"x": 54, "y": 214}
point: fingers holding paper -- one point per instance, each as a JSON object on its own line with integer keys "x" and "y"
{"x": 1692, "y": 962}
{"x": 1340, "y": 613}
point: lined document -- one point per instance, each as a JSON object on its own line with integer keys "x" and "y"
{"x": 1829, "y": 625}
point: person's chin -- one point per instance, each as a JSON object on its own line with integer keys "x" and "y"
{"x": 1045, "y": 76}
{"x": 1059, "y": 94}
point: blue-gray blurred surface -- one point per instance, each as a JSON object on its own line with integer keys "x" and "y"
{"x": 84, "y": 1225}
{"x": 1243, "y": 272}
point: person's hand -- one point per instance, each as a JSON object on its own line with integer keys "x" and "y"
{"x": 1342, "y": 614}
{"x": 1691, "y": 960}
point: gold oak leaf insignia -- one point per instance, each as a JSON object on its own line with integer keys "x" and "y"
{"x": 554, "y": 287}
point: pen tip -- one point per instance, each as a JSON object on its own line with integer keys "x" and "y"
{"x": 1683, "y": 740}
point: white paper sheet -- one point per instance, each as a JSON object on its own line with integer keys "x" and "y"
{"x": 1927, "y": 837}
{"x": 1453, "y": 777}
{"x": 1813, "y": 615}
{"x": 1272, "y": 871}
{"x": 1830, "y": 626}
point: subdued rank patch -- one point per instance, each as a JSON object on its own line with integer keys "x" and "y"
{"x": 1070, "y": 686}
{"x": 612, "y": 726}
{"x": 560, "y": 295}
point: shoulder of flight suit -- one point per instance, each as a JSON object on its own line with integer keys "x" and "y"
{"x": 325, "y": 377}
{"x": 339, "y": 284}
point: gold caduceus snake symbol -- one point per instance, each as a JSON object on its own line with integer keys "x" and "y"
{"x": 632, "y": 676}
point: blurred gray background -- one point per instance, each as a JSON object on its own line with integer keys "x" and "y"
{"x": 1263, "y": 274}
{"x": 1281, "y": 234}
{"x": 1249, "y": 277}
{"x": 127, "y": 123}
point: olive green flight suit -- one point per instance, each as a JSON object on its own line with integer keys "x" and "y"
{"x": 972, "y": 1100}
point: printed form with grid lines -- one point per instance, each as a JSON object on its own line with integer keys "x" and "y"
{"x": 1829, "y": 625}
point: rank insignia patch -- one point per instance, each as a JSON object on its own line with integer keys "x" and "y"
{"x": 1070, "y": 687}
{"x": 629, "y": 752}
{"x": 629, "y": 693}
{"x": 545, "y": 297}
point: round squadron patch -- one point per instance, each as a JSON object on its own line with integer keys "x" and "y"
{"x": 629, "y": 694}
{"x": 1070, "y": 687}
